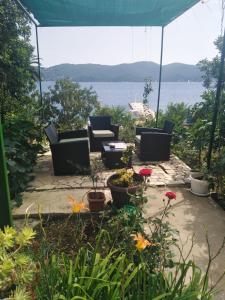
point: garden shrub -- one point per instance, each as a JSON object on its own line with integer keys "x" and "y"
{"x": 69, "y": 105}
{"x": 17, "y": 269}
{"x": 121, "y": 117}
{"x": 22, "y": 144}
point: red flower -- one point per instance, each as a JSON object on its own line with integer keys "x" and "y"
{"x": 170, "y": 195}
{"x": 145, "y": 172}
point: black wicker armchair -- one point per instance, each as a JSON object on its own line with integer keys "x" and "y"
{"x": 101, "y": 130}
{"x": 153, "y": 144}
{"x": 70, "y": 151}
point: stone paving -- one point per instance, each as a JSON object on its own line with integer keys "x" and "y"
{"x": 48, "y": 193}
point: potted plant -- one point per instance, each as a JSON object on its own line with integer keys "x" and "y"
{"x": 124, "y": 182}
{"x": 95, "y": 198}
{"x": 200, "y": 183}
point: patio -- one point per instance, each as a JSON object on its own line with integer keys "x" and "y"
{"x": 55, "y": 189}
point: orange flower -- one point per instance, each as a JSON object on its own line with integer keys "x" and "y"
{"x": 141, "y": 242}
{"x": 76, "y": 206}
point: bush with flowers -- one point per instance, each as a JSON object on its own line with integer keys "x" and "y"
{"x": 124, "y": 177}
{"x": 122, "y": 261}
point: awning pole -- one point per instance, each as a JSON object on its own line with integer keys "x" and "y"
{"x": 160, "y": 75}
{"x": 25, "y": 11}
{"x": 5, "y": 207}
{"x": 39, "y": 72}
{"x": 217, "y": 104}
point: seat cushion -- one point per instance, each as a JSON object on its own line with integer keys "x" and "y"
{"x": 73, "y": 140}
{"x": 102, "y": 133}
{"x": 138, "y": 138}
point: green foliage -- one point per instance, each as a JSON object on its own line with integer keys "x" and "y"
{"x": 22, "y": 144}
{"x": 147, "y": 90}
{"x": 114, "y": 276}
{"x": 17, "y": 269}
{"x": 127, "y": 156}
{"x": 69, "y": 105}
{"x": 121, "y": 117}
{"x": 95, "y": 170}
{"x": 210, "y": 69}
{"x": 17, "y": 77}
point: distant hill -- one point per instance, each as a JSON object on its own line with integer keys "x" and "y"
{"x": 124, "y": 72}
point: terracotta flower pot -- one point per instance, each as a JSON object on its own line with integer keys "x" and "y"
{"x": 121, "y": 195}
{"x": 96, "y": 201}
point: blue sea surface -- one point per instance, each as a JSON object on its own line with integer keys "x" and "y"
{"x": 121, "y": 93}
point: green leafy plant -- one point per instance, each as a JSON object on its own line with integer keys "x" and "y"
{"x": 114, "y": 276}
{"x": 127, "y": 156}
{"x": 17, "y": 269}
{"x": 17, "y": 75}
{"x": 22, "y": 144}
{"x": 95, "y": 172}
{"x": 121, "y": 117}
{"x": 147, "y": 90}
{"x": 69, "y": 105}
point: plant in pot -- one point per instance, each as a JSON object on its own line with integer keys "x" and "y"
{"x": 96, "y": 198}
{"x": 127, "y": 156}
{"x": 125, "y": 182}
{"x": 201, "y": 182}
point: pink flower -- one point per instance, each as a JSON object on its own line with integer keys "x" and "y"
{"x": 145, "y": 172}
{"x": 170, "y": 195}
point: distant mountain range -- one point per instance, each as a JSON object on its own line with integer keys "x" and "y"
{"x": 134, "y": 72}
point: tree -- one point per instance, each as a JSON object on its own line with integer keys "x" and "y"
{"x": 147, "y": 90}
{"x": 210, "y": 68}
{"x": 17, "y": 76}
{"x": 69, "y": 105}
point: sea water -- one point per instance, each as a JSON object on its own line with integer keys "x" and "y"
{"x": 121, "y": 93}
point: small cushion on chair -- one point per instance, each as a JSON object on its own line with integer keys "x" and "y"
{"x": 138, "y": 138}
{"x": 73, "y": 140}
{"x": 102, "y": 133}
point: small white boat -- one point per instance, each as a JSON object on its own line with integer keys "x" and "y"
{"x": 139, "y": 110}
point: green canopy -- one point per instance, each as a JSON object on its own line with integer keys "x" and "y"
{"x": 106, "y": 12}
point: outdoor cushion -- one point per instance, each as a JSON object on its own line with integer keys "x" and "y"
{"x": 138, "y": 138}
{"x": 73, "y": 140}
{"x": 102, "y": 133}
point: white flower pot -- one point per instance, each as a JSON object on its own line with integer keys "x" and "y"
{"x": 199, "y": 186}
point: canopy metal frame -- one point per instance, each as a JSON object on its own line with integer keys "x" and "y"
{"x": 39, "y": 64}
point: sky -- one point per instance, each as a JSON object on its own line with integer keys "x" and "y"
{"x": 187, "y": 39}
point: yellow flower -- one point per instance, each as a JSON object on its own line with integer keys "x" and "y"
{"x": 76, "y": 206}
{"x": 141, "y": 242}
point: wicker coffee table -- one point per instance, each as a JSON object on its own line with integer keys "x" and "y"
{"x": 111, "y": 156}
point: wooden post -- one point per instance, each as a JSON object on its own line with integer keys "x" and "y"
{"x": 5, "y": 209}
